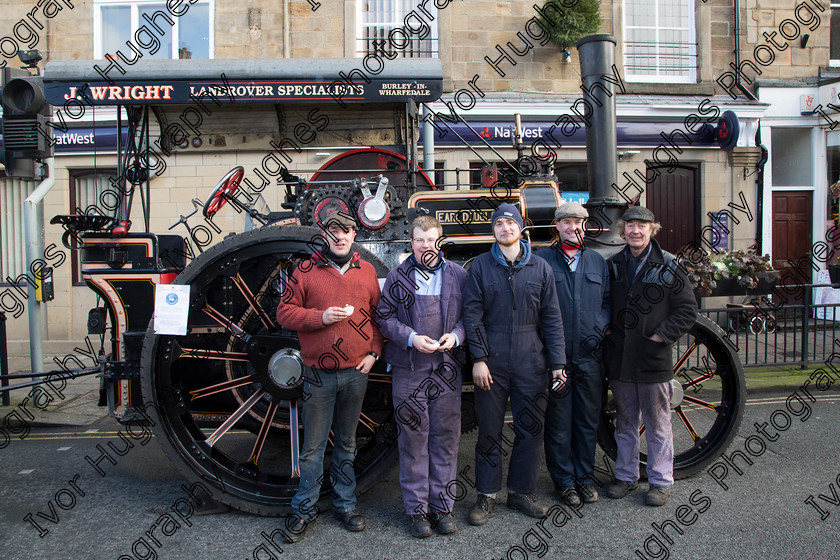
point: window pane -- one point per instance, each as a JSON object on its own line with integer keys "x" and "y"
{"x": 116, "y": 28}
{"x": 194, "y": 32}
{"x": 379, "y": 17}
{"x": 13, "y": 192}
{"x": 835, "y": 34}
{"x": 792, "y": 157}
{"x": 659, "y": 40}
{"x": 165, "y": 41}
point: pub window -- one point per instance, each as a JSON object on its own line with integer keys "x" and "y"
{"x": 86, "y": 188}
{"x": 13, "y": 192}
{"x": 385, "y": 20}
{"x": 189, "y": 35}
{"x": 572, "y": 177}
{"x": 660, "y": 44}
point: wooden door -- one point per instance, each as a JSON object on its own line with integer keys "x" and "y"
{"x": 792, "y": 225}
{"x": 674, "y": 199}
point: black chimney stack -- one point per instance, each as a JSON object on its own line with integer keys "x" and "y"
{"x": 597, "y": 57}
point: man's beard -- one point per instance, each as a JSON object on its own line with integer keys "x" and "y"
{"x": 509, "y": 243}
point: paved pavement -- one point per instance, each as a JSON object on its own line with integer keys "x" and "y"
{"x": 761, "y": 514}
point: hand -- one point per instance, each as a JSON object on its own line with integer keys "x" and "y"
{"x": 656, "y": 338}
{"x": 481, "y": 376}
{"x": 366, "y": 363}
{"x": 424, "y": 344}
{"x": 559, "y": 379}
{"x": 333, "y": 315}
{"x": 447, "y": 342}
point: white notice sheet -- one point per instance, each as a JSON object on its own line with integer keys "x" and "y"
{"x": 171, "y": 308}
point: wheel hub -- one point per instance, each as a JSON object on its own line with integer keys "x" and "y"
{"x": 285, "y": 368}
{"x": 677, "y": 397}
{"x": 277, "y": 365}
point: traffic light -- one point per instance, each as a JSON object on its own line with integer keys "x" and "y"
{"x": 26, "y": 136}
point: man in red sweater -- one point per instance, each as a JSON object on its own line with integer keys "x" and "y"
{"x": 339, "y": 345}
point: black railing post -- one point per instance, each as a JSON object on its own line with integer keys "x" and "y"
{"x": 805, "y": 317}
{"x": 4, "y": 362}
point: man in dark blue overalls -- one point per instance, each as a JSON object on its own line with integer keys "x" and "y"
{"x": 420, "y": 315}
{"x": 571, "y": 421}
{"x": 515, "y": 332}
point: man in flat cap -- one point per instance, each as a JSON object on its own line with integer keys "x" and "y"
{"x": 571, "y": 419}
{"x": 653, "y": 305}
{"x": 323, "y": 299}
{"x": 515, "y": 334}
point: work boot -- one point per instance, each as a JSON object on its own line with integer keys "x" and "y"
{"x": 445, "y": 523}
{"x": 620, "y": 489}
{"x": 657, "y": 495}
{"x": 297, "y": 530}
{"x": 420, "y": 527}
{"x": 352, "y": 520}
{"x": 569, "y": 495}
{"x": 482, "y": 509}
{"x": 527, "y": 504}
{"x": 588, "y": 493}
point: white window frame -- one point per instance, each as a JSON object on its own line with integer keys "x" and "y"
{"x": 402, "y": 9}
{"x": 657, "y": 76}
{"x": 835, "y": 63}
{"x": 98, "y": 51}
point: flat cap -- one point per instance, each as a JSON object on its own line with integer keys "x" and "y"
{"x": 638, "y": 213}
{"x": 570, "y": 210}
{"x": 334, "y": 214}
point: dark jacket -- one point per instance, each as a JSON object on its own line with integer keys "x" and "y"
{"x": 397, "y": 312}
{"x": 511, "y": 315}
{"x": 584, "y": 299}
{"x": 661, "y": 301}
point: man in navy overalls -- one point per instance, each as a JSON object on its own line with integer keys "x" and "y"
{"x": 420, "y": 315}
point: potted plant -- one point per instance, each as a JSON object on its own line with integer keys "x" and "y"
{"x": 580, "y": 19}
{"x": 731, "y": 273}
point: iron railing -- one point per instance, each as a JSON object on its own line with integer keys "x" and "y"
{"x": 794, "y": 334}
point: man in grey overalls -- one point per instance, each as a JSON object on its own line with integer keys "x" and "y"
{"x": 420, "y": 315}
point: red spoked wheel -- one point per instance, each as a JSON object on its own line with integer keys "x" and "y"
{"x": 223, "y": 190}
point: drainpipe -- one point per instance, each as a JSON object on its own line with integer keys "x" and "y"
{"x": 738, "y": 83}
{"x": 34, "y": 238}
{"x": 428, "y": 143}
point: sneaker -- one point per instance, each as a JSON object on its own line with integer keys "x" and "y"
{"x": 445, "y": 523}
{"x": 620, "y": 489}
{"x": 588, "y": 493}
{"x": 420, "y": 527}
{"x": 482, "y": 509}
{"x": 527, "y": 504}
{"x": 657, "y": 495}
{"x": 569, "y": 495}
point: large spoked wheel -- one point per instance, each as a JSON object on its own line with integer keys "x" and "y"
{"x": 228, "y": 392}
{"x": 223, "y": 190}
{"x": 709, "y": 398}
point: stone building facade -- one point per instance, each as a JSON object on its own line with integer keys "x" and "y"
{"x": 675, "y": 58}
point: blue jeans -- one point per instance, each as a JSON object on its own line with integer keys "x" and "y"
{"x": 336, "y": 404}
